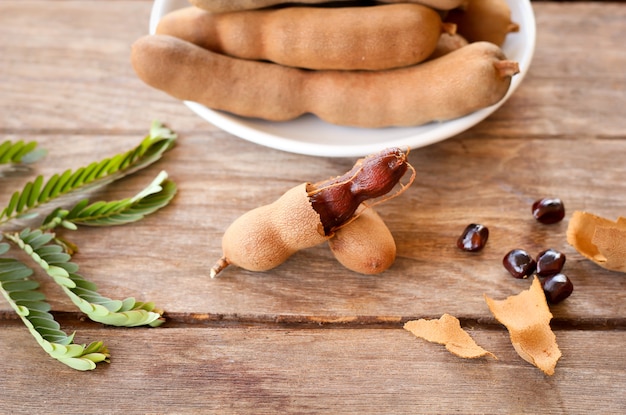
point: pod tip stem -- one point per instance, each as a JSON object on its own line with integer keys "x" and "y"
{"x": 219, "y": 266}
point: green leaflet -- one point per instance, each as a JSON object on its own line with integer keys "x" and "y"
{"x": 38, "y": 192}
{"x": 20, "y": 152}
{"x": 30, "y": 305}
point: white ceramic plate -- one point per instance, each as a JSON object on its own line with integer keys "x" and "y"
{"x": 310, "y": 135}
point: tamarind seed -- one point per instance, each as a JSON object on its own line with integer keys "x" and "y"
{"x": 473, "y": 238}
{"x": 548, "y": 210}
{"x": 557, "y": 288}
{"x": 519, "y": 263}
{"x": 550, "y": 262}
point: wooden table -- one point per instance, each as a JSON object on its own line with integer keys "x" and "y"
{"x": 310, "y": 336}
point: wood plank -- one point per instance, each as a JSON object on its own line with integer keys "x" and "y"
{"x": 166, "y": 258}
{"x": 343, "y": 371}
{"x": 76, "y": 76}
{"x": 310, "y": 336}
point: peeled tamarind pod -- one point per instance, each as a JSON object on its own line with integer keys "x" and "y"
{"x": 221, "y": 6}
{"x": 454, "y": 85}
{"x": 368, "y": 38}
{"x": 265, "y": 237}
{"x": 484, "y": 20}
{"x": 338, "y": 198}
{"x": 365, "y": 245}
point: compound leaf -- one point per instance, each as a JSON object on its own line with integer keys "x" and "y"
{"x": 36, "y": 193}
{"x": 155, "y": 196}
{"x": 30, "y": 305}
{"x": 83, "y": 293}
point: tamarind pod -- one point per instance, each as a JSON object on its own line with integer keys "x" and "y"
{"x": 263, "y": 238}
{"x": 447, "y": 43}
{"x": 459, "y": 83}
{"x": 365, "y": 245}
{"x": 368, "y": 38}
{"x": 221, "y": 6}
{"x": 484, "y": 20}
{"x": 247, "y": 88}
{"x": 337, "y": 199}
{"x": 463, "y": 81}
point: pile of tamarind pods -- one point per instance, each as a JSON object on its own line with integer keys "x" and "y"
{"x": 351, "y": 63}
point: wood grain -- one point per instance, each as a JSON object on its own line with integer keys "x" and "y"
{"x": 288, "y": 371}
{"x": 310, "y": 336}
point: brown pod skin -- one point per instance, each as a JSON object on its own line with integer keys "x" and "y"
{"x": 459, "y": 83}
{"x": 263, "y": 238}
{"x": 484, "y": 20}
{"x": 348, "y": 38}
{"x": 454, "y": 85}
{"x": 365, "y": 245}
{"x": 447, "y": 43}
{"x": 221, "y": 6}
{"x": 246, "y": 88}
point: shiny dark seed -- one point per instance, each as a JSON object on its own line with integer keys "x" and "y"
{"x": 550, "y": 262}
{"x": 557, "y": 288}
{"x": 519, "y": 263}
{"x": 548, "y": 210}
{"x": 473, "y": 238}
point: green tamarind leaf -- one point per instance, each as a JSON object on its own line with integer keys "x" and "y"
{"x": 66, "y": 351}
{"x": 33, "y": 156}
{"x": 43, "y": 322}
{"x": 53, "y": 254}
{"x": 8, "y": 211}
{"x": 20, "y": 285}
{"x": 83, "y": 294}
{"x": 34, "y": 305}
{"x": 57, "y": 272}
{"x": 20, "y": 152}
{"x": 30, "y": 305}
{"x": 102, "y": 314}
{"x": 96, "y": 174}
{"x": 95, "y": 347}
{"x": 24, "y": 196}
{"x": 17, "y": 274}
{"x": 26, "y": 295}
{"x": 79, "y": 364}
{"x": 39, "y": 239}
{"x": 129, "y": 304}
{"x": 44, "y": 195}
{"x": 34, "y": 191}
{"x": 95, "y": 357}
{"x": 120, "y": 212}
